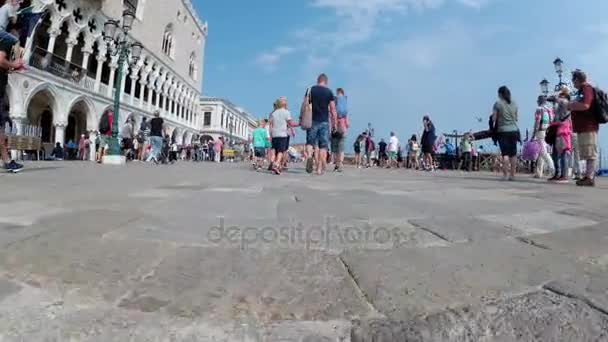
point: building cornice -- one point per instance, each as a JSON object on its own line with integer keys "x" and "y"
{"x": 202, "y": 26}
{"x": 228, "y": 104}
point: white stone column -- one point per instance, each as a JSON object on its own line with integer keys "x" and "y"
{"x": 163, "y": 102}
{"x": 150, "y": 93}
{"x": 142, "y": 85}
{"x": 71, "y": 43}
{"x": 53, "y": 34}
{"x": 100, "y": 60}
{"x": 85, "y": 60}
{"x": 60, "y": 133}
{"x": 134, "y": 78}
{"x": 111, "y": 81}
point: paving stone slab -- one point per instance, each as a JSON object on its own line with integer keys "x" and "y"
{"x": 539, "y": 222}
{"x": 538, "y": 316}
{"x": 94, "y": 266}
{"x": 588, "y": 244}
{"x": 403, "y": 283}
{"x": 457, "y": 229}
{"x": 234, "y": 285}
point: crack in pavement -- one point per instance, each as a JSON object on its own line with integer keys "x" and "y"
{"x": 430, "y": 231}
{"x": 567, "y": 294}
{"x": 358, "y": 288}
{"x": 532, "y": 243}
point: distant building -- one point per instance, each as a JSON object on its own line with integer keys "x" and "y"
{"x": 221, "y": 118}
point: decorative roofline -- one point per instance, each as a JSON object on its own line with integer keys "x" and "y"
{"x": 202, "y": 26}
{"x": 229, "y": 104}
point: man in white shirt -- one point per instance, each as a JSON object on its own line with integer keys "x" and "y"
{"x": 393, "y": 147}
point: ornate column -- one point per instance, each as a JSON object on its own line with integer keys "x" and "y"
{"x": 134, "y": 76}
{"x": 159, "y": 89}
{"x": 87, "y": 50}
{"x": 101, "y": 59}
{"x": 123, "y": 82}
{"x": 53, "y": 34}
{"x": 71, "y": 42}
{"x": 152, "y": 88}
{"x": 113, "y": 66}
{"x": 143, "y": 82}
{"x": 60, "y": 132}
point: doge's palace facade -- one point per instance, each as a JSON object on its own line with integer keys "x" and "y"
{"x": 69, "y": 84}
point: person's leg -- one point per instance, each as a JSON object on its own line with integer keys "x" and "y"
{"x": 564, "y": 161}
{"x": 513, "y": 166}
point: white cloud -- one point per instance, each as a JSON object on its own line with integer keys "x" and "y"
{"x": 269, "y": 61}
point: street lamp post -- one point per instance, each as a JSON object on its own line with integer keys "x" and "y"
{"x": 544, "y": 87}
{"x": 559, "y": 69}
{"x": 116, "y": 37}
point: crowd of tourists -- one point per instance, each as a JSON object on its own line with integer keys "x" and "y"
{"x": 566, "y": 126}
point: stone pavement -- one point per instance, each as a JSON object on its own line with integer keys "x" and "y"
{"x": 205, "y": 252}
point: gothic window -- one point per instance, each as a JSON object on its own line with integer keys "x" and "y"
{"x": 207, "y": 119}
{"x": 168, "y": 46}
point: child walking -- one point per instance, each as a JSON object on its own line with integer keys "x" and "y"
{"x": 563, "y": 141}
{"x": 259, "y": 139}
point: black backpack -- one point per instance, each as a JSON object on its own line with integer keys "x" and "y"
{"x": 104, "y": 125}
{"x": 600, "y": 105}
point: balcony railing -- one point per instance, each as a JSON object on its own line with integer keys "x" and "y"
{"x": 46, "y": 61}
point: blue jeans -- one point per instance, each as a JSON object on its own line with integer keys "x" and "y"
{"x": 318, "y": 135}
{"x": 562, "y": 163}
{"x": 157, "y": 144}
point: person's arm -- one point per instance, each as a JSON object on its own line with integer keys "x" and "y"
{"x": 585, "y": 104}
{"x": 333, "y": 115}
{"x": 9, "y": 65}
{"x": 537, "y": 119}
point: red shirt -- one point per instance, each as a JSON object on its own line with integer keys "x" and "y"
{"x": 585, "y": 122}
{"x": 110, "y": 119}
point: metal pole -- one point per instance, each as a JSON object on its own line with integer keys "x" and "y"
{"x": 114, "y": 145}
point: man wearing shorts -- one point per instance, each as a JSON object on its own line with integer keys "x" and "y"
{"x": 280, "y": 121}
{"x": 7, "y": 66}
{"x": 317, "y": 137}
{"x": 585, "y": 125}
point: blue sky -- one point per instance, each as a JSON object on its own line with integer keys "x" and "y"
{"x": 401, "y": 59}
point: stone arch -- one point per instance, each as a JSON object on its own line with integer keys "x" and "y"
{"x": 188, "y": 138}
{"x": 177, "y": 136}
{"x": 42, "y": 111}
{"x": 91, "y": 117}
{"x": 53, "y": 94}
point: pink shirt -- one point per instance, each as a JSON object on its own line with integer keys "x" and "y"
{"x": 217, "y": 147}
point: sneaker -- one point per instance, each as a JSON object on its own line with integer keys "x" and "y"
{"x": 588, "y": 182}
{"x": 561, "y": 180}
{"x": 13, "y": 166}
{"x": 553, "y": 179}
{"x": 309, "y": 165}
